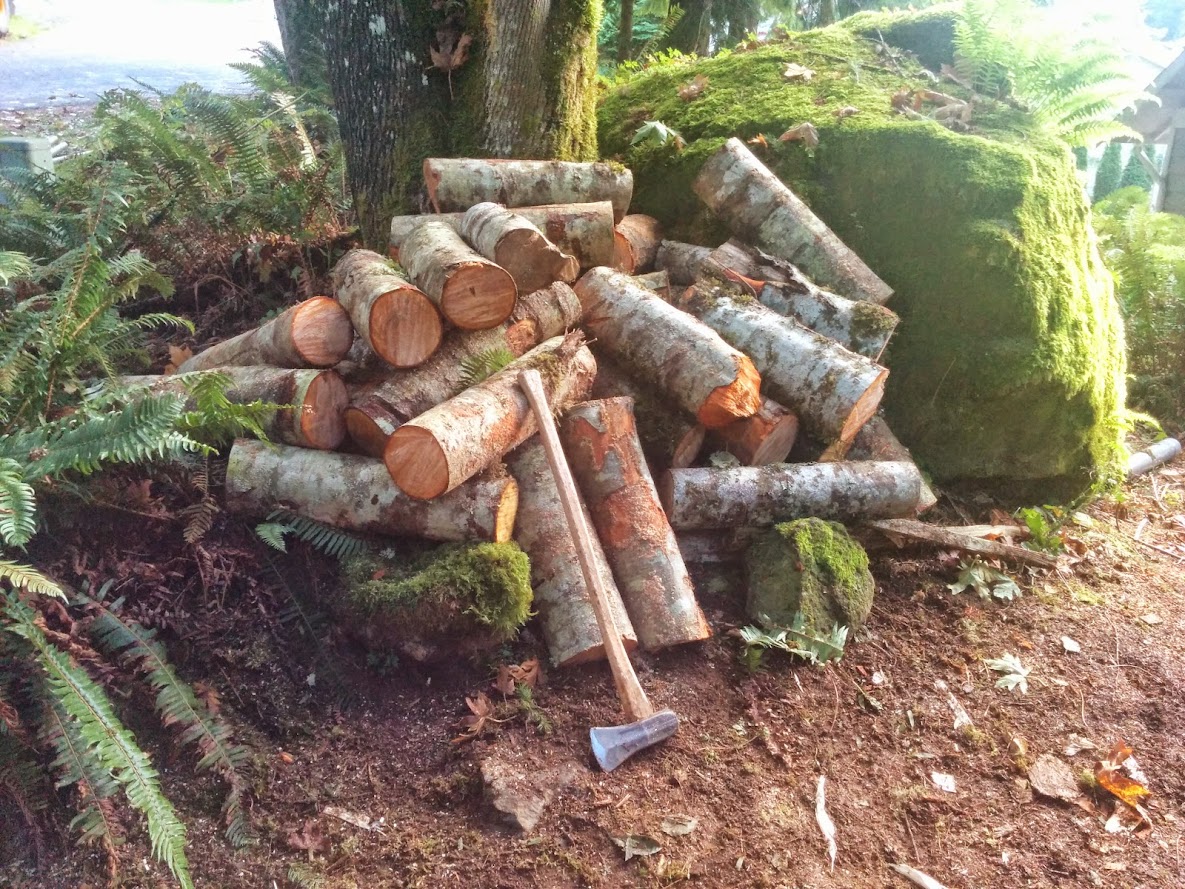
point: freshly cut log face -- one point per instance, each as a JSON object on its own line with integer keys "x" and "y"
{"x": 459, "y": 183}
{"x": 761, "y": 210}
{"x": 515, "y": 244}
{"x": 397, "y": 321}
{"x": 357, "y": 493}
{"x": 606, "y": 458}
{"x": 758, "y": 496}
{"x": 314, "y": 333}
{"x": 764, "y": 438}
{"x": 832, "y": 390}
{"x": 565, "y": 608}
{"x": 470, "y": 290}
{"x": 453, "y": 441}
{"x": 636, "y": 242}
{"x": 681, "y": 261}
{"x": 876, "y": 441}
{"x": 687, "y": 360}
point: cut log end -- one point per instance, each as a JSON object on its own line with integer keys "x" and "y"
{"x": 405, "y": 328}
{"x": 865, "y": 409}
{"x": 478, "y": 296}
{"x": 505, "y": 512}
{"x": 623, "y": 254}
{"x": 369, "y": 423}
{"x": 321, "y": 422}
{"x": 736, "y": 400}
{"x": 321, "y": 331}
{"x": 417, "y": 462}
{"x": 688, "y": 447}
{"x": 597, "y": 653}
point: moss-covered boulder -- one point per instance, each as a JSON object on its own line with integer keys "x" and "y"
{"x": 1008, "y": 363}
{"x": 808, "y": 566}
{"x": 454, "y": 600}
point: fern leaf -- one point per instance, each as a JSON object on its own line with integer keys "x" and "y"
{"x": 14, "y": 265}
{"x": 485, "y": 364}
{"x": 199, "y": 518}
{"x": 22, "y": 577}
{"x": 272, "y": 533}
{"x": 18, "y": 509}
{"x": 329, "y": 540}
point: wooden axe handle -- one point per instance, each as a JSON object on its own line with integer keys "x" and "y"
{"x": 629, "y": 689}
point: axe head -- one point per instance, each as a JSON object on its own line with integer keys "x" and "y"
{"x": 613, "y": 745}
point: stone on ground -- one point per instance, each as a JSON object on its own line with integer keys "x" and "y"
{"x": 519, "y": 785}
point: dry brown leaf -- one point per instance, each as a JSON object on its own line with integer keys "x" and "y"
{"x": 481, "y": 709}
{"x": 504, "y": 682}
{"x": 450, "y": 56}
{"x": 797, "y": 72}
{"x": 527, "y": 673}
{"x": 805, "y": 132}
{"x": 178, "y": 355}
{"x": 694, "y": 89}
{"x": 759, "y": 140}
{"x": 311, "y": 839}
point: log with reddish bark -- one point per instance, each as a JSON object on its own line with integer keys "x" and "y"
{"x": 441, "y": 448}
{"x": 759, "y": 496}
{"x": 635, "y": 243}
{"x": 656, "y": 282}
{"x": 761, "y": 210}
{"x": 832, "y": 390}
{"x": 561, "y": 597}
{"x": 681, "y": 261}
{"x": 356, "y": 493}
{"x": 876, "y": 441}
{"x": 764, "y": 438}
{"x": 515, "y": 244}
{"x": 317, "y": 400}
{"x": 314, "y": 333}
{"x": 657, "y": 342}
{"x": 470, "y": 290}
{"x": 602, "y": 445}
{"x": 396, "y": 320}
{"x": 459, "y": 183}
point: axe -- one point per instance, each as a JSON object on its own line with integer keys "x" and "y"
{"x": 612, "y": 745}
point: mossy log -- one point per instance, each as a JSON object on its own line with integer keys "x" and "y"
{"x": 656, "y": 282}
{"x": 396, "y": 320}
{"x": 459, "y": 183}
{"x": 438, "y": 450}
{"x": 515, "y": 244}
{"x": 470, "y": 290}
{"x": 764, "y": 438}
{"x": 681, "y": 261}
{"x": 686, "y": 359}
{"x": 566, "y": 614}
{"x": 314, "y": 333}
{"x": 356, "y": 493}
{"x": 760, "y": 209}
{"x": 876, "y": 441}
{"x": 635, "y": 243}
{"x": 758, "y": 496}
{"x": 833, "y": 391}
{"x": 318, "y": 400}
{"x": 601, "y": 442}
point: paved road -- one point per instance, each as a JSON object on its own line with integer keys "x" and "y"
{"x": 91, "y": 46}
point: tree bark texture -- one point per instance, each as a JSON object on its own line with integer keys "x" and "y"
{"x": 356, "y": 493}
{"x": 625, "y": 32}
{"x": 517, "y": 245}
{"x": 909, "y": 530}
{"x": 761, "y": 210}
{"x": 681, "y": 261}
{"x": 716, "y": 546}
{"x": 547, "y": 312}
{"x": 606, "y": 457}
{"x": 565, "y": 608}
{"x": 635, "y": 243}
{"x": 683, "y": 357}
{"x": 876, "y": 441}
{"x": 656, "y": 282}
{"x": 302, "y": 35}
{"x": 764, "y": 438}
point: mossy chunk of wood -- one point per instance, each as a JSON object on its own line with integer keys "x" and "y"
{"x": 811, "y": 566}
{"x": 455, "y": 599}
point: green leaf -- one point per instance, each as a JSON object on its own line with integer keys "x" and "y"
{"x": 986, "y": 581}
{"x": 1015, "y": 674}
{"x": 18, "y": 509}
{"x": 655, "y": 132}
{"x": 272, "y": 533}
{"x": 23, "y": 577}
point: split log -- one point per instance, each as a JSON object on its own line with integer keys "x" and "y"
{"x": 518, "y": 246}
{"x": 602, "y": 444}
{"x": 761, "y": 210}
{"x": 469, "y": 290}
{"x": 1152, "y": 456}
{"x": 684, "y": 358}
{"x": 459, "y": 183}
{"x": 656, "y": 282}
{"x": 909, "y": 529}
{"x": 396, "y": 320}
{"x": 681, "y": 261}
{"x": 635, "y": 243}
{"x": 833, "y": 391}
{"x": 581, "y": 230}
{"x": 356, "y": 493}
{"x": 318, "y": 400}
{"x": 314, "y": 333}
{"x": 876, "y": 441}
{"x": 565, "y": 608}
{"x": 438, "y": 450}
{"x": 759, "y": 496}
{"x": 764, "y": 438}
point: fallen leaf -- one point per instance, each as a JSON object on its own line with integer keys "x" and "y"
{"x": 1053, "y": 778}
{"x": 962, "y": 717}
{"x": 450, "y": 56}
{"x": 917, "y": 877}
{"x": 1110, "y": 777}
{"x": 694, "y": 89}
{"x": 310, "y": 839}
{"x": 805, "y": 132}
{"x": 679, "y": 825}
{"x": 178, "y": 355}
{"x": 362, "y": 821}
{"x": 759, "y": 140}
{"x": 481, "y": 709}
{"x": 944, "y": 782}
{"x": 826, "y": 825}
{"x": 287, "y": 758}
{"x": 1072, "y": 646}
{"x": 797, "y": 72}
{"x": 527, "y": 672}
{"x": 1152, "y": 619}
{"x": 637, "y": 846}
{"x": 1077, "y": 744}
{"x": 504, "y": 682}
{"x": 1018, "y": 748}
{"x": 846, "y": 111}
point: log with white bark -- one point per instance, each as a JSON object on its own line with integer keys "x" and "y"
{"x": 548, "y": 312}
{"x": 635, "y": 243}
{"x": 656, "y": 282}
{"x": 716, "y": 546}
{"x": 318, "y": 400}
{"x": 876, "y": 441}
{"x": 459, "y": 183}
{"x": 441, "y": 448}
{"x": 910, "y": 530}
{"x": 561, "y": 597}
{"x": 601, "y": 442}
{"x": 681, "y": 261}
{"x": 681, "y": 356}
{"x": 759, "y": 496}
{"x": 764, "y": 438}
{"x": 753, "y": 263}
{"x": 356, "y": 493}
{"x": 832, "y": 390}
{"x": 314, "y": 333}
{"x": 1152, "y": 456}
{"x": 470, "y": 290}
{"x": 761, "y": 210}
{"x": 396, "y": 320}
{"x": 514, "y": 243}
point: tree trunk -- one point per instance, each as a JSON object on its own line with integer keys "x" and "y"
{"x": 681, "y": 261}
{"x": 877, "y": 442}
{"x": 635, "y": 243}
{"x": 693, "y": 33}
{"x": 602, "y": 444}
{"x": 565, "y": 609}
{"x": 302, "y": 35}
{"x": 356, "y": 493}
{"x": 760, "y": 209}
{"x": 399, "y": 323}
{"x": 764, "y": 438}
{"x": 716, "y": 546}
{"x": 683, "y": 357}
{"x": 452, "y": 442}
{"x": 314, "y": 333}
{"x": 758, "y": 496}
{"x": 625, "y": 32}
{"x": 518, "y": 246}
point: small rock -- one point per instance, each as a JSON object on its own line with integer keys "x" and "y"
{"x": 1053, "y": 778}
{"x": 520, "y": 786}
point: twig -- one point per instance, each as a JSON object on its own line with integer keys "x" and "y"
{"x": 1160, "y": 549}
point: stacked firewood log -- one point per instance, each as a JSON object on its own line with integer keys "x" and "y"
{"x": 683, "y": 375}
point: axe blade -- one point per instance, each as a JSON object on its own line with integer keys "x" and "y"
{"x": 613, "y": 745}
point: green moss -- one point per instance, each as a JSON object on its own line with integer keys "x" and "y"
{"x": 809, "y": 566}
{"x": 929, "y": 35}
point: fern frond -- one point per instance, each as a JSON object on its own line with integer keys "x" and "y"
{"x": 272, "y": 533}
{"x": 329, "y": 540}
{"x": 199, "y": 518}
{"x": 14, "y": 265}
{"x": 23, "y": 577}
{"x": 18, "y": 508}
{"x": 485, "y": 364}
{"x": 21, "y": 779}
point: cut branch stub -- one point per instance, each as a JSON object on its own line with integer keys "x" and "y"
{"x": 635, "y": 243}
{"x": 764, "y": 438}
{"x": 515, "y": 244}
